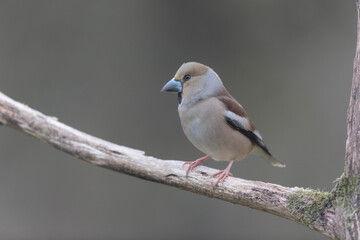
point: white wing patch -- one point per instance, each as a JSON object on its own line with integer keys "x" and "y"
{"x": 243, "y": 121}
{"x": 256, "y": 132}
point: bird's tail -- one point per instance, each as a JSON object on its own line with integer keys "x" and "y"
{"x": 268, "y": 157}
{"x": 273, "y": 161}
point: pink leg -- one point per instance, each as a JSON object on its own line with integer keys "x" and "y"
{"x": 223, "y": 174}
{"x": 194, "y": 164}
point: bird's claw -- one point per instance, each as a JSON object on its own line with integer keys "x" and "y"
{"x": 192, "y": 165}
{"x": 223, "y": 175}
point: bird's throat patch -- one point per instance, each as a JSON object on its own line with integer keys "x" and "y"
{"x": 179, "y": 97}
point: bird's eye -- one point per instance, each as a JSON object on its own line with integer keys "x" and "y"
{"x": 186, "y": 77}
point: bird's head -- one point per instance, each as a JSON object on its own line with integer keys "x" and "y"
{"x": 194, "y": 80}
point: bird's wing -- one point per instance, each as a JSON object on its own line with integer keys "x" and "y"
{"x": 236, "y": 117}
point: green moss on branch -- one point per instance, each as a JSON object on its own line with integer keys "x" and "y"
{"x": 309, "y": 205}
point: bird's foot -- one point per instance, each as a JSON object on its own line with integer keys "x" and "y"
{"x": 223, "y": 174}
{"x": 195, "y": 163}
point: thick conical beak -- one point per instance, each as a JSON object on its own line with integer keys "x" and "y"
{"x": 172, "y": 86}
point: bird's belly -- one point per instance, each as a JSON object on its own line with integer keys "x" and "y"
{"x": 210, "y": 134}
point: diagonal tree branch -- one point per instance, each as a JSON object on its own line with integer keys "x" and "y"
{"x": 285, "y": 202}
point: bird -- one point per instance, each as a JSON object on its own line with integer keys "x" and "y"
{"x": 213, "y": 121}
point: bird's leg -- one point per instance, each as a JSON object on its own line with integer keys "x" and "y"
{"x": 223, "y": 174}
{"x": 195, "y": 163}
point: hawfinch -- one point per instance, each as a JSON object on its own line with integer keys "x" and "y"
{"x": 213, "y": 120}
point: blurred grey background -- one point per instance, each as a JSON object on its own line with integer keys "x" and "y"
{"x": 99, "y": 66}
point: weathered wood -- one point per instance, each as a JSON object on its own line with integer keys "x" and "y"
{"x": 348, "y": 214}
{"x": 267, "y": 197}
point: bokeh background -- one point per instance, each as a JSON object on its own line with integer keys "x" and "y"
{"x": 99, "y": 66}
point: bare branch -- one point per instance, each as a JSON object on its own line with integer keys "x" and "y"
{"x": 272, "y": 198}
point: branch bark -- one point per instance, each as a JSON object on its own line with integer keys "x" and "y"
{"x": 349, "y": 212}
{"x": 335, "y": 214}
{"x": 272, "y": 198}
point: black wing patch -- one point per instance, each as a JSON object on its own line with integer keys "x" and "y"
{"x": 249, "y": 134}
